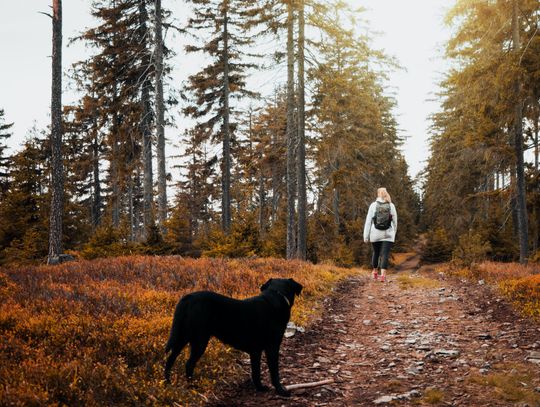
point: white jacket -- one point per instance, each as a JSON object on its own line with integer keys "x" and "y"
{"x": 372, "y": 234}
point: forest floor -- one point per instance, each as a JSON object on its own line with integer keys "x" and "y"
{"x": 421, "y": 338}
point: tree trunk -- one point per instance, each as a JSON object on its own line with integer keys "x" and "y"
{"x": 291, "y": 131}
{"x": 148, "y": 212}
{"x": 301, "y": 147}
{"x": 262, "y": 204}
{"x": 536, "y": 119}
{"x": 131, "y": 208}
{"x": 226, "y": 175}
{"x": 57, "y": 172}
{"x": 96, "y": 199}
{"x": 160, "y": 121}
{"x": 521, "y": 199}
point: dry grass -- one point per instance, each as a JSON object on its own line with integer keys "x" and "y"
{"x": 520, "y": 284}
{"x": 93, "y": 332}
{"x": 433, "y": 396}
{"x": 408, "y": 281}
{"x": 398, "y": 258}
{"x": 514, "y": 384}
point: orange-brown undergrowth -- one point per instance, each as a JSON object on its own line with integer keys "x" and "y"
{"x": 519, "y": 283}
{"x": 93, "y": 332}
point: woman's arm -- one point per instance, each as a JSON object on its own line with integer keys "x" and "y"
{"x": 394, "y": 217}
{"x": 367, "y": 225}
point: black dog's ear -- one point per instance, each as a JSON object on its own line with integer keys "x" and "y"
{"x": 265, "y": 285}
{"x": 297, "y": 287}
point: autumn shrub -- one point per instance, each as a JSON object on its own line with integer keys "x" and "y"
{"x": 535, "y": 258}
{"x": 519, "y": 283}
{"x": 243, "y": 241}
{"x": 106, "y": 241}
{"x": 437, "y": 247}
{"x": 471, "y": 249}
{"x": 93, "y": 332}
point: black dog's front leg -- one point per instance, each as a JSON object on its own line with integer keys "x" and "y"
{"x": 272, "y": 358}
{"x": 255, "y": 358}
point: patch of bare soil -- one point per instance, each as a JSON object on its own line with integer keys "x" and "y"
{"x": 419, "y": 339}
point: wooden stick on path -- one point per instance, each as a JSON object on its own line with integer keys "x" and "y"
{"x": 307, "y": 385}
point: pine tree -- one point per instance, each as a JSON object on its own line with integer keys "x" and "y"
{"x": 291, "y": 136}
{"x": 5, "y": 160}
{"x": 214, "y": 86}
{"x": 118, "y": 79}
{"x": 24, "y": 207}
{"x": 57, "y": 175}
{"x": 160, "y": 116}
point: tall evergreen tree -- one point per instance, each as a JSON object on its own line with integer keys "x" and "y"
{"x": 4, "y": 158}
{"x": 57, "y": 175}
{"x": 301, "y": 142}
{"x": 160, "y": 116}
{"x": 291, "y": 136}
{"x": 213, "y": 88}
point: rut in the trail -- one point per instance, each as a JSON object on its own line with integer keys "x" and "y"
{"x": 418, "y": 339}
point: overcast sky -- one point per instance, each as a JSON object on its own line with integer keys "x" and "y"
{"x": 412, "y": 31}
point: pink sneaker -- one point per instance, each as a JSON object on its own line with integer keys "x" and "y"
{"x": 375, "y": 275}
{"x": 383, "y": 278}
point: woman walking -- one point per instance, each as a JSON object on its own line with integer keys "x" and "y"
{"x": 380, "y": 229}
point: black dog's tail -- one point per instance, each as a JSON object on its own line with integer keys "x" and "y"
{"x": 175, "y": 337}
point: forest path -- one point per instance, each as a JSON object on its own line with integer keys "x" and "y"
{"x": 419, "y": 339}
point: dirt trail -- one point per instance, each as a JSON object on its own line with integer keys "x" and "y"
{"x": 418, "y": 339}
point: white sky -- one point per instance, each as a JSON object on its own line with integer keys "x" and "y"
{"x": 410, "y": 30}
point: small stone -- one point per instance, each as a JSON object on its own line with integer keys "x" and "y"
{"x": 452, "y": 353}
{"x": 369, "y": 297}
{"x": 316, "y": 364}
{"x": 483, "y": 371}
{"x": 537, "y": 361}
{"x": 485, "y": 336}
{"x": 384, "y": 400}
{"x": 366, "y": 322}
{"x": 289, "y": 333}
{"x": 481, "y": 282}
{"x": 392, "y": 364}
{"x": 393, "y": 332}
{"x": 533, "y": 355}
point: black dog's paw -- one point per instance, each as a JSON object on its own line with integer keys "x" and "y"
{"x": 262, "y": 388}
{"x": 283, "y": 392}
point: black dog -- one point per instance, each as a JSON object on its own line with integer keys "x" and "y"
{"x": 252, "y": 325}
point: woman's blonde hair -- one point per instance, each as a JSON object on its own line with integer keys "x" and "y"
{"x": 383, "y": 194}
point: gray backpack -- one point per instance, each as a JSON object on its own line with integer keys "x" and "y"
{"x": 383, "y": 216}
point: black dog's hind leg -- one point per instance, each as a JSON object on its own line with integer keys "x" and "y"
{"x": 175, "y": 351}
{"x": 255, "y": 358}
{"x": 198, "y": 347}
{"x": 272, "y": 358}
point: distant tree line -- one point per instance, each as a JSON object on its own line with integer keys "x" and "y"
{"x": 289, "y": 174}
{"x": 482, "y": 182}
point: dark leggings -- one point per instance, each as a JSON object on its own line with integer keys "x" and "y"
{"x": 382, "y": 250}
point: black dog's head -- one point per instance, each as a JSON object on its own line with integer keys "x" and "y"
{"x": 284, "y": 286}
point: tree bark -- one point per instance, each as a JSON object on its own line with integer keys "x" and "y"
{"x": 148, "y": 211}
{"x": 521, "y": 199}
{"x": 96, "y": 199}
{"x": 301, "y": 147}
{"x": 226, "y": 175}
{"x": 160, "y": 121}
{"x": 291, "y": 132}
{"x": 57, "y": 172}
